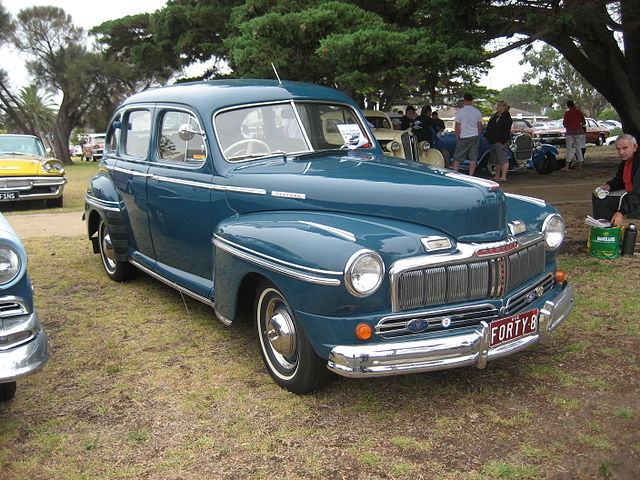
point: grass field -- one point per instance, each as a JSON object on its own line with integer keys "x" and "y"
{"x": 145, "y": 384}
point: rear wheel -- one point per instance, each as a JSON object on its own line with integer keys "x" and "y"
{"x": 285, "y": 349}
{"x": 600, "y": 141}
{"x": 548, "y": 164}
{"x": 7, "y": 391}
{"x": 116, "y": 270}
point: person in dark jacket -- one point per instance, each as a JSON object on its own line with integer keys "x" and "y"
{"x": 624, "y": 188}
{"x": 499, "y": 137}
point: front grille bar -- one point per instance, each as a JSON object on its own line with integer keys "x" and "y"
{"x": 466, "y": 277}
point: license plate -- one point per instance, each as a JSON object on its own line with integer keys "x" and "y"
{"x": 514, "y": 326}
{"x": 9, "y": 195}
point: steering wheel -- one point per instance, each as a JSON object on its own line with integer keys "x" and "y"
{"x": 245, "y": 146}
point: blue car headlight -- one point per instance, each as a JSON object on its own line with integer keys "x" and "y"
{"x": 553, "y": 229}
{"x": 363, "y": 273}
{"x": 9, "y": 263}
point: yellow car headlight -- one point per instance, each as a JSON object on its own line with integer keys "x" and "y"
{"x": 54, "y": 166}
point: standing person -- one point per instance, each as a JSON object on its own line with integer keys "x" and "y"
{"x": 406, "y": 121}
{"x": 468, "y": 128}
{"x": 624, "y": 188}
{"x": 499, "y": 136}
{"x": 574, "y": 123}
{"x": 423, "y": 126}
{"x": 438, "y": 123}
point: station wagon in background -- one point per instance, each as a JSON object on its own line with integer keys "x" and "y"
{"x": 555, "y": 133}
{"x": 274, "y": 201}
{"x": 26, "y": 173}
{"x": 23, "y": 341}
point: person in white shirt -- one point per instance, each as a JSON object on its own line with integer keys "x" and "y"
{"x": 468, "y": 129}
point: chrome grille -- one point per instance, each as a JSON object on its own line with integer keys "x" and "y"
{"x": 12, "y": 306}
{"x": 524, "y": 147}
{"x": 473, "y": 279}
{"x": 396, "y": 326}
{"x": 408, "y": 146}
{"x": 521, "y": 299}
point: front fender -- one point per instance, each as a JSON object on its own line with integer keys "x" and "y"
{"x": 305, "y": 255}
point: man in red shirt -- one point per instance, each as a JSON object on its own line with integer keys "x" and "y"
{"x": 624, "y": 189}
{"x": 574, "y": 123}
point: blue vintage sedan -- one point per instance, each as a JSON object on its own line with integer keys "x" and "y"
{"x": 23, "y": 341}
{"x": 274, "y": 201}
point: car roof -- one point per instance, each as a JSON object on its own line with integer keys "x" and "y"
{"x": 17, "y": 135}
{"x": 216, "y": 94}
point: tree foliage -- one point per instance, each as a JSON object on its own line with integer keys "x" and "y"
{"x": 599, "y": 38}
{"x": 528, "y": 96}
{"x": 561, "y": 82}
{"x": 378, "y": 51}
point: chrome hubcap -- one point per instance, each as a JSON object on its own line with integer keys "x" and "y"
{"x": 108, "y": 254}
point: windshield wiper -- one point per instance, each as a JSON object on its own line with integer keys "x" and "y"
{"x": 257, "y": 155}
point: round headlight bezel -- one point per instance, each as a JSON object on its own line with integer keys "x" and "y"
{"x": 10, "y": 263}
{"x": 394, "y": 146}
{"x": 53, "y": 167}
{"x": 354, "y": 264}
{"x": 553, "y": 229}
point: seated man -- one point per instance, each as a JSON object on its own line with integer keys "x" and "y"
{"x": 624, "y": 188}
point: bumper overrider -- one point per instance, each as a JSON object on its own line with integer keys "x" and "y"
{"x": 467, "y": 346}
{"x": 23, "y": 347}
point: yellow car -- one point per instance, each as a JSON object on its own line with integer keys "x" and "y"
{"x": 400, "y": 143}
{"x": 26, "y": 173}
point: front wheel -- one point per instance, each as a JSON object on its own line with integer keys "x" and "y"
{"x": 548, "y": 164}
{"x": 7, "y": 391}
{"x": 116, "y": 270}
{"x": 600, "y": 141}
{"x": 285, "y": 349}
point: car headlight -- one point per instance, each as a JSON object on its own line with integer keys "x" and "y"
{"x": 53, "y": 167}
{"x": 393, "y": 146}
{"x": 424, "y": 146}
{"x": 363, "y": 273}
{"x": 9, "y": 264}
{"x": 553, "y": 230}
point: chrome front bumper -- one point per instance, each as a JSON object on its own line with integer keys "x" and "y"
{"x": 468, "y": 346}
{"x": 26, "y": 358}
{"x": 25, "y": 186}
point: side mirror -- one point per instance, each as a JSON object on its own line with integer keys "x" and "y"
{"x": 186, "y": 132}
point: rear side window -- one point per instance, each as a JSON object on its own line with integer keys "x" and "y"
{"x": 137, "y": 133}
{"x": 176, "y": 147}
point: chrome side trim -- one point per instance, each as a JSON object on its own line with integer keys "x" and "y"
{"x": 133, "y": 173}
{"x": 443, "y": 350}
{"x": 336, "y": 231}
{"x": 209, "y": 186}
{"x": 102, "y": 204}
{"x": 525, "y": 198}
{"x": 171, "y": 283}
{"x": 221, "y": 317}
{"x": 276, "y": 265}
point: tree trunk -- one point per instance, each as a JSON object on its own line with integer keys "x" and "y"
{"x": 61, "y": 133}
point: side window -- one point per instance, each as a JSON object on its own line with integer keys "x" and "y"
{"x": 174, "y": 149}
{"x": 113, "y": 135}
{"x": 138, "y": 133}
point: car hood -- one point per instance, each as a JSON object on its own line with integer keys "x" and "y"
{"x": 20, "y": 165}
{"x": 467, "y": 208}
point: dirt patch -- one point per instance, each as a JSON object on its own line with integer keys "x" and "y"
{"x": 67, "y": 224}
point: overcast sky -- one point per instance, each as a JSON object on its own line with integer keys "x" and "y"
{"x": 89, "y": 13}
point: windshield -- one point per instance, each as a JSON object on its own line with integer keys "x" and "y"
{"x": 11, "y": 144}
{"x": 288, "y": 128}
